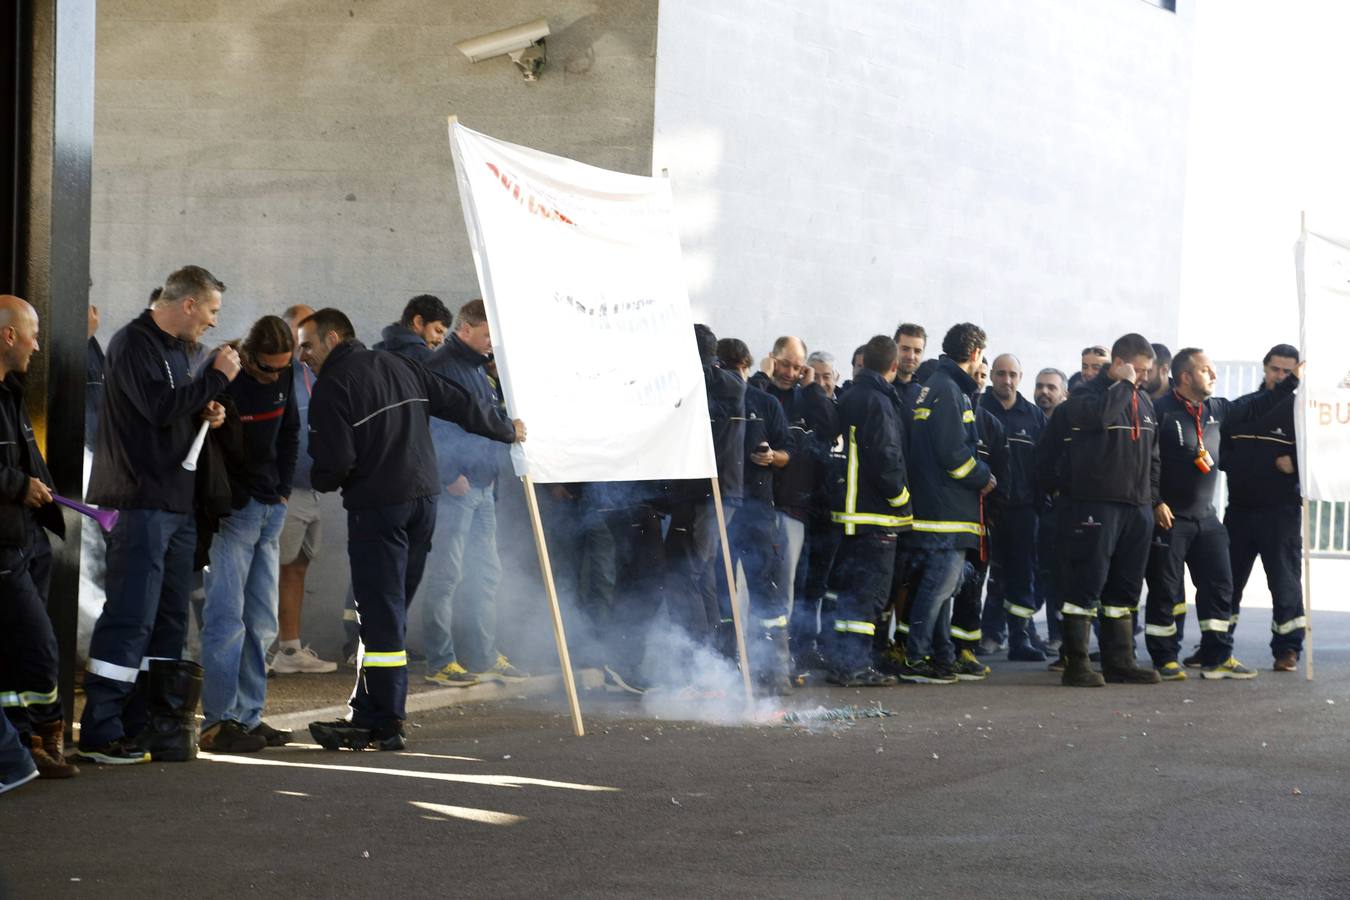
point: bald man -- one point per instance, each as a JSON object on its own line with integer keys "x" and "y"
{"x": 1011, "y": 601}
{"x": 28, "y": 652}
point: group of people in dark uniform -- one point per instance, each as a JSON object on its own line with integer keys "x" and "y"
{"x": 867, "y": 519}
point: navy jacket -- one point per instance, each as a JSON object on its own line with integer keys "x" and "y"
{"x": 1022, "y": 425}
{"x": 726, "y": 414}
{"x": 764, "y": 424}
{"x": 1187, "y": 491}
{"x": 1113, "y": 455}
{"x": 1052, "y": 458}
{"x": 20, "y": 460}
{"x": 946, "y": 474}
{"x": 1250, "y": 449}
{"x": 151, "y": 411}
{"x": 369, "y": 432}
{"x": 270, "y": 435}
{"x": 813, "y": 425}
{"x": 400, "y": 339}
{"x": 458, "y": 451}
{"x": 876, "y": 492}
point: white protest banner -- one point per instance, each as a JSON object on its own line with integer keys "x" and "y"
{"x": 580, "y": 271}
{"x": 1323, "y": 418}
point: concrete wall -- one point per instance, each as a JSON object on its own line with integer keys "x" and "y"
{"x": 841, "y": 167}
{"x": 297, "y": 148}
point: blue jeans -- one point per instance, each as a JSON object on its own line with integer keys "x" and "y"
{"x": 459, "y": 591}
{"x": 239, "y": 618}
{"x": 930, "y": 614}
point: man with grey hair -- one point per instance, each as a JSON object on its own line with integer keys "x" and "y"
{"x": 1052, "y": 389}
{"x": 786, "y": 376}
{"x": 152, "y": 408}
{"x": 827, "y": 376}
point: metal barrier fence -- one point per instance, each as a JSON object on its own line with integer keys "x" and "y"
{"x": 1329, "y": 523}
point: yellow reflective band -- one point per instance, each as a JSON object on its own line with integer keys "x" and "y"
{"x": 1070, "y": 609}
{"x": 851, "y": 492}
{"x": 831, "y": 595}
{"x": 868, "y": 628}
{"x": 1287, "y": 627}
{"x": 902, "y": 627}
{"x": 1160, "y": 630}
{"x": 1234, "y": 619}
{"x": 900, "y": 499}
{"x": 962, "y": 635}
{"x": 27, "y": 698}
{"x": 389, "y": 660}
{"x": 851, "y": 519}
{"x": 1214, "y": 625}
{"x": 921, "y": 413}
{"x": 780, "y": 622}
{"x": 1021, "y": 612}
{"x": 963, "y": 470}
{"x": 948, "y": 527}
{"x": 968, "y": 416}
{"x": 1116, "y": 612}
{"x": 1179, "y": 609}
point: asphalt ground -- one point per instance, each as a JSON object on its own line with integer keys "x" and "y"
{"x": 1015, "y": 787}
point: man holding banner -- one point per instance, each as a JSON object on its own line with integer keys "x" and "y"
{"x": 370, "y": 436}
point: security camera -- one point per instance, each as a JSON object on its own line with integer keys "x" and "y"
{"x": 523, "y": 43}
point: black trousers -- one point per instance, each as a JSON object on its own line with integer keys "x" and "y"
{"x": 387, "y": 547}
{"x": 1202, "y": 546}
{"x": 1107, "y": 547}
{"x": 1051, "y": 571}
{"x": 28, "y": 651}
{"x": 814, "y": 596}
{"x": 1275, "y": 534}
{"x": 863, "y": 569}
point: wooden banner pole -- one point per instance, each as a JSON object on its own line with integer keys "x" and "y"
{"x": 731, "y": 591}
{"x": 1307, "y": 591}
{"x": 565, "y": 658}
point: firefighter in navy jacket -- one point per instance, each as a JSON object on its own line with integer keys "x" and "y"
{"x": 872, "y": 510}
{"x": 369, "y": 436}
{"x": 1113, "y": 479}
{"x": 950, "y": 483}
{"x": 1265, "y": 512}
{"x": 1188, "y": 532}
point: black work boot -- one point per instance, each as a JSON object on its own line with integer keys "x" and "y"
{"x": 1078, "y": 671}
{"x": 173, "y": 689}
{"x": 1117, "y": 639}
{"x": 769, "y": 661}
{"x": 343, "y": 735}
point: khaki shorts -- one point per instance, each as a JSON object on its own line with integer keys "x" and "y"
{"x": 302, "y": 532}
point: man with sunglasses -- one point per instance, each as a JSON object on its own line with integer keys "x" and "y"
{"x": 239, "y": 618}
{"x": 1093, "y": 359}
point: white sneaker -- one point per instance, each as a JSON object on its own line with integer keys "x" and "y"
{"x": 301, "y": 662}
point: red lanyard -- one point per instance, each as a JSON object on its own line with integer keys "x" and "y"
{"x": 1134, "y": 415}
{"x": 1197, "y": 411}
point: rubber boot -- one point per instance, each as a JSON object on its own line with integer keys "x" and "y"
{"x": 1019, "y": 641}
{"x": 1078, "y": 672}
{"x": 47, "y": 744}
{"x": 1117, "y": 640}
{"x": 174, "y": 689}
